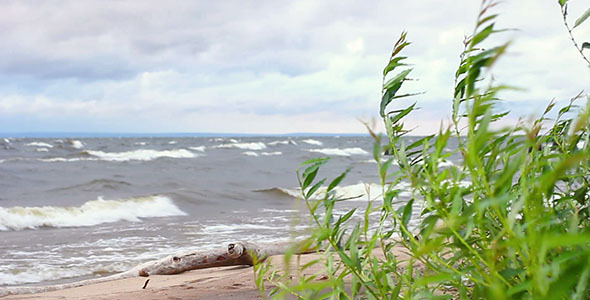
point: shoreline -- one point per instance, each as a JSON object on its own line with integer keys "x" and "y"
{"x": 216, "y": 283}
{"x": 235, "y": 282}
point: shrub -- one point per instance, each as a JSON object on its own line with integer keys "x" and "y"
{"x": 510, "y": 221}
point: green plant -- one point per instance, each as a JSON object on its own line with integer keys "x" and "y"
{"x": 510, "y": 222}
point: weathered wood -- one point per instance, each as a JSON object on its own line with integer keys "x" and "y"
{"x": 238, "y": 253}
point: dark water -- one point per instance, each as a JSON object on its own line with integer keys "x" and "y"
{"x": 72, "y": 209}
{"x": 158, "y": 195}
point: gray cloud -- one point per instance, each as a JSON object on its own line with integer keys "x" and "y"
{"x": 176, "y": 60}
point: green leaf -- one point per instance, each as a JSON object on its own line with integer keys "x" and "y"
{"x": 401, "y": 113}
{"x": 586, "y": 45}
{"x": 337, "y": 180}
{"x": 407, "y": 215}
{"x": 391, "y": 87}
{"x": 582, "y": 18}
{"x": 482, "y": 35}
{"x": 562, "y": 2}
{"x": 394, "y": 63}
{"x": 314, "y": 188}
{"x": 566, "y": 240}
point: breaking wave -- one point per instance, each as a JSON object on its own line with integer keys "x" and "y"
{"x": 141, "y": 154}
{"x": 90, "y": 213}
{"x": 244, "y": 146}
{"x": 39, "y": 144}
{"x": 360, "y": 191}
{"x": 340, "y": 152}
{"x": 313, "y": 142}
{"x": 255, "y": 154}
{"x": 287, "y": 142}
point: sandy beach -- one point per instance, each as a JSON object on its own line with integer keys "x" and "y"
{"x": 234, "y": 282}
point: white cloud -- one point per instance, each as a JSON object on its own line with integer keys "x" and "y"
{"x": 307, "y": 65}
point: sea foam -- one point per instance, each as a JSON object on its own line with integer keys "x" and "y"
{"x": 39, "y": 144}
{"x": 340, "y": 152}
{"x": 90, "y": 213}
{"x": 141, "y": 154}
{"x": 313, "y": 142}
{"x": 244, "y": 146}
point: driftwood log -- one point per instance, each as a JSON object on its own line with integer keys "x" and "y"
{"x": 236, "y": 254}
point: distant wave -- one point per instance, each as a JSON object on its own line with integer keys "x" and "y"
{"x": 313, "y": 142}
{"x": 287, "y": 142}
{"x": 141, "y": 154}
{"x": 39, "y": 144}
{"x": 76, "y": 144}
{"x": 200, "y": 148}
{"x": 244, "y": 146}
{"x": 255, "y": 154}
{"x": 41, "y": 150}
{"x": 90, "y": 213}
{"x": 340, "y": 152}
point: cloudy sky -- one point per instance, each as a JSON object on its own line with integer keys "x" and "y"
{"x": 259, "y": 66}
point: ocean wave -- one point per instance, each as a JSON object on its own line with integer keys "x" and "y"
{"x": 141, "y": 154}
{"x": 200, "y": 148}
{"x": 313, "y": 142}
{"x": 90, "y": 213}
{"x": 41, "y": 150}
{"x": 76, "y": 144}
{"x": 244, "y": 146}
{"x": 255, "y": 154}
{"x": 39, "y": 274}
{"x": 355, "y": 192}
{"x": 287, "y": 142}
{"x": 340, "y": 152}
{"x": 39, "y": 144}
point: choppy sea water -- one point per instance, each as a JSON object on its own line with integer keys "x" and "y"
{"x": 80, "y": 208}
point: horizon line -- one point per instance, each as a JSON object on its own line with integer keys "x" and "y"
{"x": 67, "y": 134}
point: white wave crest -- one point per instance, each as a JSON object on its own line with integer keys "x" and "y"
{"x": 252, "y": 153}
{"x": 340, "y": 152}
{"x": 141, "y": 154}
{"x": 244, "y": 146}
{"x": 41, "y": 150}
{"x": 76, "y": 144}
{"x": 200, "y": 148}
{"x": 313, "y": 142}
{"x": 89, "y": 214}
{"x": 287, "y": 142}
{"x": 7, "y": 141}
{"x": 39, "y": 144}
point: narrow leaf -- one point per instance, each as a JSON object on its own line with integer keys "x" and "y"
{"x": 391, "y": 87}
{"x": 582, "y": 18}
{"x": 394, "y": 63}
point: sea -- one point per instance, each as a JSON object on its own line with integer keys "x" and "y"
{"x": 73, "y": 209}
